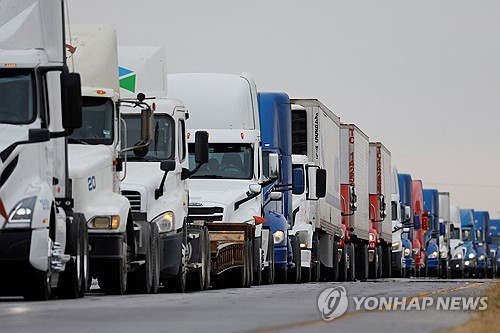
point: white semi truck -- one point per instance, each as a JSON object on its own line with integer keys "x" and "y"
{"x": 445, "y": 233}
{"x": 157, "y": 178}
{"x": 316, "y": 135}
{"x": 226, "y": 193}
{"x": 122, "y": 251}
{"x": 400, "y": 218}
{"x": 43, "y": 237}
{"x": 458, "y": 250}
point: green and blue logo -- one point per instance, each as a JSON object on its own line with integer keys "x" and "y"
{"x": 127, "y": 79}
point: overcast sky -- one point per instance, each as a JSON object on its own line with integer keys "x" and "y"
{"x": 423, "y": 77}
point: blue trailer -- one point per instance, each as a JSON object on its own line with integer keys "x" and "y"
{"x": 276, "y": 124}
{"x": 469, "y": 241}
{"x": 405, "y": 191}
{"x": 493, "y": 239}
{"x": 431, "y": 206}
{"x": 484, "y": 260}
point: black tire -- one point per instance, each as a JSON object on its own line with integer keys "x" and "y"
{"x": 331, "y": 274}
{"x": 196, "y": 280}
{"x": 315, "y": 259}
{"x": 386, "y": 262}
{"x": 397, "y": 273}
{"x": 373, "y": 266}
{"x": 343, "y": 264}
{"x": 155, "y": 258}
{"x": 249, "y": 264}
{"x": 70, "y": 281}
{"x": 362, "y": 260}
{"x": 140, "y": 281}
{"x": 257, "y": 262}
{"x": 85, "y": 268}
{"x": 351, "y": 270}
{"x": 269, "y": 271}
{"x": 177, "y": 283}
{"x": 39, "y": 288}
{"x": 281, "y": 276}
{"x": 294, "y": 274}
{"x": 380, "y": 261}
{"x": 113, "y": 281}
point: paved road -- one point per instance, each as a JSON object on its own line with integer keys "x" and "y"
{"x": 277, "y": 308}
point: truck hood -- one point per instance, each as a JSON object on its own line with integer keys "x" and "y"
{"x": 88, "y": 159}
{"x": 10, "y": 134}
{"x": 217, "y": 192}
{"x": 145, "y": 174}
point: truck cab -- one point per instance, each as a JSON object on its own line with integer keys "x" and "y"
{"x": 397, "y": 210}
{"x": 494, "y": 245}
{"x": 432, "y": 241}
{"x": 484, "y": 259}
{"x": 458, "y": 249}
{"x": 420, "y": 227}
{"x": 405, "y": 190}
{"x": 469, "y": 241}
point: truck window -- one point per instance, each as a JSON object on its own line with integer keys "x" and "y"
{"x": 225, "y": 161}
{"x": 299, "y": 132}
{"x": 394, "y": 207}
{"x": 466, "y": 235}
{"x": 455, "y": 234}
{"x": 97, "y": 122}
{"x": 181, "y": 139}
{"x": 162, "y": 147}
{"x": 17, "y": 105}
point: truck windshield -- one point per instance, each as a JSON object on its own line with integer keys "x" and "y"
{"x": 225, "y": 161}
{"x": 17, "y": 91}
{"x": 455, "y": 234}
{"x": 97, "y": 122}
{"x": 466, "y": 235}
{"x": 162, "y": 147}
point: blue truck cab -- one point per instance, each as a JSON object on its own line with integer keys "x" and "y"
{"x": 469, "y": 241}
{"x": 276, "y": 125}
{"x": 493, "y": 240}
{"x": 405, "y": 191}
{"x": 431, "y": 206}
{"x": 484, "y": 259}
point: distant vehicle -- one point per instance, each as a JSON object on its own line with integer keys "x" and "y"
{"x": 445, "y": 232}
{"x": 494, "y": 244}
{"x": 420, "y": 227}
{"x": 432, "y": 236}
{"x": 469, "y": 241}
{"x": 405, "y": 191}
{"x": 458, "y": 249}
{"x": 484, "y": 260}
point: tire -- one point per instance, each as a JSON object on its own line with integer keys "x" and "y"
{"x": 379, "y": 262}
{"x": 343, "y": 264}
{"x": 331, "y": 274}
{"x": 281, "y": 276}
{"x": 397, "y": 273}
{"x": 39, "y": 288}
{"x": 386, "y": 262}
{"x": 373, "y": 266}
{"x": 351, "y": 270}
{"x": 70, "y": 282}
{"x": 114, "y": 279}
{"x": 294, "y": 275}
{"x": 362, "y": 260}
{"x": 269, "y": 271}
{"x": 196, "y": 280}
{"x": 257, "y": 262}
{"x": 155, "y": 258}
{"x": 249, "y": 264}
{"x": 140, "y": 281}
{"x": 177, "y": 284}
{"x": 85, "y": 268}
{"x": 315, "y": 259}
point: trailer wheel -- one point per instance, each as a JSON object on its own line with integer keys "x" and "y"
{"x": 351, "y": 270}
{"x": 294, "y": 276}
{"x": 386, "y": 262}
{"x": 343, "y": 264}
{"x": 155, "y": 258}
{"x": 70, "y": 282}
{"x": 140, "y": 281}
{"x": 315, "y": 259}
{"x": 362, "y": 260}
{"x": 177, "y": 284}
{"x": 39, "y": 287}
{"x": 269, "y": 271}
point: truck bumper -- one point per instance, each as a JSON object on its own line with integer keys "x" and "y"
{"x": 171, "y": 252}
{"x": 14, "y": 261}
{"x": 105, "y": 247}
{"x": 280, "y": 257}
{"x": 409, "y": 263}
{"x": 396, "y": 260}
{"x": 433, "y": 264}
{"x": 457, "y": 264}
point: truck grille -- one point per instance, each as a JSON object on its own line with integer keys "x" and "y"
{"x": 134, "y": 198}
{"x": 210, "y": 214}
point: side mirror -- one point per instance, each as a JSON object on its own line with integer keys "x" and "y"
{"x": 167, "y": 165}
{"x": 407, "y": 211}
{"x": 353, "y": 198}
{"x": 201, "y": 147}
{"x": 273, "y": 166}
{"x": 416, "y": 221}
{"x": 147, "y": 125}
{"x": 442, "y": 229}
{"x": 255, "y": 188}
{"x": 405, "y": 230}
{"x": 276, "y": 196}
{"x": 452, "y": 228}
{"x": 38, "y": 135}
{"x": 382, "y": 206}
{"x": 71, "y": 101}
{"x": 321, "y": 183}
{"x": 298, "y": 181}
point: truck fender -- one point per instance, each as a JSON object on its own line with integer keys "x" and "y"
{"x": 303, "y": 228}
{"x": 40, "y": 249}
{"x": 142, "y": 236}
{"x": 109, "y": 204}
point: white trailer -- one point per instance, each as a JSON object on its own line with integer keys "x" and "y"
{"x": 157, "y": 179}
{"x": 316, "y": 134}
{"x": 354, "y": 148}
{"x": 226, "y": 193}
{"x": 122, "y": 252}
{"x": 444, "y": 239}
{"x": 43, "y": 237}
{"x": 379, "y": 189}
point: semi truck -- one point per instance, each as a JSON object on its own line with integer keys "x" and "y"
{"x": 156, "y": 182}
{"x": 469, "y": 241}
{"x": 400, "y": 217}
{"x": 484, "y": 260}
{"x": 494, "y": 245}
{"x": 419, "y": 227}
{"x": 354, "y": 167}
{"x": 43, "y": 236}
{"x": 120, "y": 247}
{"x": 458, "y": 250}
{"x": 316, "y": 134}
{"x": 432, "y": 241}
{"x": 405, "y": 191}
{"x": 226, "y": 194}
{"x": 445, "y": 232}
{"x": 379, "y": 189}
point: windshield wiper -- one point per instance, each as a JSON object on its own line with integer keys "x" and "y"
{"x": 73, "y": 140}
{"x": 207, "y": 176}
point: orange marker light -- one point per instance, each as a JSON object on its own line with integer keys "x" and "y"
{"x": 101, "y": 92}
{"x": 188, "y": 135}
{"x": 10, "y": 65}
{"x": 242, "y": 135}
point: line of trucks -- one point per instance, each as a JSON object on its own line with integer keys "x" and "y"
{"x": 106, "y": 174}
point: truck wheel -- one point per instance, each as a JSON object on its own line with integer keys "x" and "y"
{"x": 155, "y": 258}
{"x": 196, "y": 279}
{"x": 85, "y": 270}
{"x": 386, "y": 262}
{"x": 39, "y": 287}
{"x": 362, "y": 260}
{"x": 257, "y": 262}
{"x": 294, "y": 275}
{"x": 315, "y": 259}
{"x": 373, "y": 265}
{"x": 281, "y": 276}
{"x": 208, "y": 259}
{"x": 177, "y": 284}
{"x": 249, "y": 264}
{"x": 331, "y": 273}
{"x": 140, "y": 281}
{"x": 269, "y": 271}
{"x": 343, "y": 264}
{"x": 70, "y": 281}
{"x": 113, "y": 281}
{"x": 351, "y": 270}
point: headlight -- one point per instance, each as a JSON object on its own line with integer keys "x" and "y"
{"x": 23, "y": 211}
{"x": 104, "y": 222}
{"x": 458, "y": 255}
{"x": 395, "y": 245}
{"x": 279, "y": 236}
{"x": 466, "y": 263}
{"x": 443, "y": 254}
{"x": 481, "y": 257}
{"x": 433, "y": 255}
{"x": 407, "y": 252}
{"x": 165, "y": 222}
{"x": 498, "y": 259}
{"x": 471, "y": 255}
{"x": 371, "y": 237}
